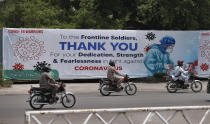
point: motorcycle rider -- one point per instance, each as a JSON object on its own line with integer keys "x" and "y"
{"x": 180, "y": 74}
{"x": 112, "y": 74}
{"x": 47, "y": 82}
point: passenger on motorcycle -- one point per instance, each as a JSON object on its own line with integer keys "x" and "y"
{"x": 113, "y": 74}
{"x": 47, "y": 82}
{"x": 180, "y": 74}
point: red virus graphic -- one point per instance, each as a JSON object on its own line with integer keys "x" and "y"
{"x": 204, "y": 67}
{"x": 28, "y": 48}
{"x": 146, "y": 49}
{"x": 18, "y": 66}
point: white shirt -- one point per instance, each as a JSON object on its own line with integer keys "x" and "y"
{"x": 179, "y": 73}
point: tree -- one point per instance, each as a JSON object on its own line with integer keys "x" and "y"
{"x": 90, "y": 16}
{"x": 106, "y": 14}
{"x": 34, "y": 13}
{"x": 167, "y": 14}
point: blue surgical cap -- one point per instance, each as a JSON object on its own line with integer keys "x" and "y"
{"x": 167, "y": 40}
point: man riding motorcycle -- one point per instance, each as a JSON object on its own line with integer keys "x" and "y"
{"x": 180, "y": 74}
{"x": 47, "y": 82}
{"x": 112, "y": 74}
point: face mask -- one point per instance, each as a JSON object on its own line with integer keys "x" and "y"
{"x": 169, "y": 49}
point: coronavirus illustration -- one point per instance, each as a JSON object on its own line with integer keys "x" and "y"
{"x": 204, "y": 67}
{"x": 150, "y": 36}
{"x": 40, "y": 66}
{"x": 28, "y": 48}
{"x": 18, "y": 66}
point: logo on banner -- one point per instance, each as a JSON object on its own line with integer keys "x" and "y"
{"x": 150, "y": 36}
{"x": 29, "y": 48}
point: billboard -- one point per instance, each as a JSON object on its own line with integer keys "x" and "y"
{"x": 204, "y": 54}
{"x": 85, "y": 53}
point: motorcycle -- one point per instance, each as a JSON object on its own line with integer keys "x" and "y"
{"x": 107, "y": 87}
{"x": 172, "y": 86}
{"x": 38, "y": 97}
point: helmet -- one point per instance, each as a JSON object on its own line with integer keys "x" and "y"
{"x": 47, "y": 68}
{"x": 111, "y": 63}
{"x": 180, "y": 62}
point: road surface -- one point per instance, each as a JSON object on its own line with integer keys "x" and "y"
{"x": 13, "y": 107}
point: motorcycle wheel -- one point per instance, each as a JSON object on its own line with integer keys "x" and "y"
{"x": 68, "y": 100}
{"x": 131, "y": 89}
{"x": 171, "y": 87}
{"x": 34, "y": 100}
{"x": 103, "y": 91}
{"x": 196, "y": 86}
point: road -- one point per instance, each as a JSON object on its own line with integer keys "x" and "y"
{"x": 12, "y": 107}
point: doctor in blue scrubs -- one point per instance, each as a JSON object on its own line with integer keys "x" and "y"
{"x": 158, "y": 56}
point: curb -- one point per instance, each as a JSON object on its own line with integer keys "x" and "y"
{"x": 83, "y": 88}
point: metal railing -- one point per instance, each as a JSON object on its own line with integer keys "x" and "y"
{"x": 151, "y": 112}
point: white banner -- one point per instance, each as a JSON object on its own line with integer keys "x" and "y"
{"x": 204, "y": 54}
{"x": 79, "y": 53}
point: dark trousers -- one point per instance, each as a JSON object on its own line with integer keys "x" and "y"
{"x": 53, "y": 89}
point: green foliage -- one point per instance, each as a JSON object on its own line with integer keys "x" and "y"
{"x": 4, "y": 83}
{"x": 166, "y": 14}
{"x": 106, "y": 14}
{"x": 35, "y": 13}
{"x": 94, "y": 14}
{"x": 1, "y": 73}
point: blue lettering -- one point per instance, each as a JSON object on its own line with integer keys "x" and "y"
{"x": 74, "y": 46}
{"x": 93, "y": 46}
{"x": 101, "y": 46}
{"x": 114, "y": 46}
{"x": 62, "y": 45}
{"x": 123, "y": 46}
{"x": 133, "y": 49}
{"x": 82, "y": 46}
